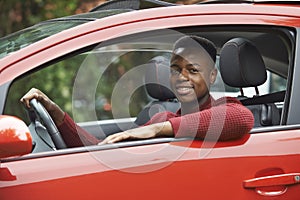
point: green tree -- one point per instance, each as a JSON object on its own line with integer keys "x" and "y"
{"x": 19, "y": 14}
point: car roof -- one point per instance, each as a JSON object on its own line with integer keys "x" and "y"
{"x": 116, "y": 7}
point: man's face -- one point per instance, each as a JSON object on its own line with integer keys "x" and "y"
{"x": 192, "y": 73}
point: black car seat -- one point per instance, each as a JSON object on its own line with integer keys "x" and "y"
{"x": 158, "y": 88}
{"x": 241, "y": 65}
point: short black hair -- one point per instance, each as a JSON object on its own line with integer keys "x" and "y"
{"x": 194, "y": 41}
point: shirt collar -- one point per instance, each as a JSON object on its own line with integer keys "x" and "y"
{"x": 210, "y": 100}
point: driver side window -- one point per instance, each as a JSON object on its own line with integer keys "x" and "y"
{"x": 99, "y": 84}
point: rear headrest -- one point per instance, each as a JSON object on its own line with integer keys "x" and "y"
{"x": 241, "y": 64}
{"x": 157, "y": 78}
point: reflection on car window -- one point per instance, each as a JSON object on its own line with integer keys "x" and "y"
{"x": 30, "y": 35}
{"x": 83, "y": 85}
{"x": 277, "y": 83}
{"x": 106, "y": 82}
{"x": 105, "y": 76}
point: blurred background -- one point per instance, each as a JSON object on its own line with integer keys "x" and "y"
{"x": 19, "y": 14}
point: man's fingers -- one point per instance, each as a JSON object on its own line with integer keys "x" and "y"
{"x": 26, "y": 99}
{"x": 119, "y": 138}
{"x": 35, "y": 94}
{"x": 107, "y": 139}
{"x": 114, "y": 138}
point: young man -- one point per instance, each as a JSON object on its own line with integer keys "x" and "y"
{"x": 192, "y": 72}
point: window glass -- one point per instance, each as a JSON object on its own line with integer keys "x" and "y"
{"x": 107, "y": 81}
{"x": 103, "y": 83}
{"x": 55, "y": 80}
{"x": 277, "y": 83}
{"x": 274, "y": 83}
{"x": 30, "y": 35}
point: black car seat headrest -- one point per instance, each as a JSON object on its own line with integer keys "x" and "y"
{"x": 157, "y": 78}
{"x": 241, "y": 64}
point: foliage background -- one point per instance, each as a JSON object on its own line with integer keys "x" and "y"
{"x": 19, "y": 14}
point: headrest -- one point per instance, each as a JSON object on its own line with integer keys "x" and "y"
{"x": 157, "y": 78}
{"x": 241, "y": 64}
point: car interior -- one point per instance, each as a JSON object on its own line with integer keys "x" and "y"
{"x": 248, "y": 58}
{"x": 241, "y": 65}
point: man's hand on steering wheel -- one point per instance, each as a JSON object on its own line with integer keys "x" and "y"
{"x": 54, "y": 110}
{"x": 47, "y": 112}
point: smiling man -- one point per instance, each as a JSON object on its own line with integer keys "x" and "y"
{"x": 193, "y": 71}
{"x": 201, "y": 116}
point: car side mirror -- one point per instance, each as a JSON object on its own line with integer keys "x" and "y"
{"x": 15, "y": 138}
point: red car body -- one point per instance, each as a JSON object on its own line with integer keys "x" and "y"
{"x": 263, "y": 165}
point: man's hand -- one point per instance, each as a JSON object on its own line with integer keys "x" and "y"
{"x": 144, "y": 132}
{"x": 54, "y": 110}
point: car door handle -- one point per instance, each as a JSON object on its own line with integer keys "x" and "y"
{"x": 274, "y": 180}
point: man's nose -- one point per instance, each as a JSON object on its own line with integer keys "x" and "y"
{"x": 184, "y": 74}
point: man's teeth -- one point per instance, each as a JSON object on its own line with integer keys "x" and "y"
{"x": 183, "y": 89}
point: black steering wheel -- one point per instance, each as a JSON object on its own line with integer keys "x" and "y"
{"x": 42, "y": 114}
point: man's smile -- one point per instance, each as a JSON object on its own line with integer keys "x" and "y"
{"x": 184, "y": 89}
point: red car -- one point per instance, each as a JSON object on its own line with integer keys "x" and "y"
{"x": 94, "y": 66}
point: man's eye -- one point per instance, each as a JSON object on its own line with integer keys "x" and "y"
{"x": 175, "y": 72}
{"x": 193, "y": 71}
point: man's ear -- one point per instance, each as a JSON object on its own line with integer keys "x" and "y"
{"x": 213, "y": 76}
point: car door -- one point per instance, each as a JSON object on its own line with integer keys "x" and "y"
{"x": 260, "y": 165}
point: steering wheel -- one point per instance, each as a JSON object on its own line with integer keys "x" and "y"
{"x": 42, "y": 114}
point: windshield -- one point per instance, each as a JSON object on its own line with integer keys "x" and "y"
{"x": 25, "y": 37}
